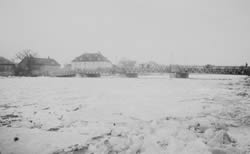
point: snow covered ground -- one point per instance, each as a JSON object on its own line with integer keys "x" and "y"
{"x": 150, "y": 114}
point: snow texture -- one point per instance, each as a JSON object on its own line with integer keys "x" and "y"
{"x": 205, "y": 114}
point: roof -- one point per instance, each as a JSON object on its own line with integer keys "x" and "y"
{"x": 89, "y": 57}
{"x": 4, "y": 61}
{"x": 43, "y": 61}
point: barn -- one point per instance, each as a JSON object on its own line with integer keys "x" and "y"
{"x": 7, "y": 68}
{"x": 31, "y": 66}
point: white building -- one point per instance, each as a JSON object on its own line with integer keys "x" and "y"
{"x": 91, "y": 61}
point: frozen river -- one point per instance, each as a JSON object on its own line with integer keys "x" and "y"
{"x": 145, "y": 98}
{"x": 74, "y": 106}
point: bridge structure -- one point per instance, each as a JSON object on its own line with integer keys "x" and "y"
{"x": 234, "y": 70}
{"x": 248, "y": 71}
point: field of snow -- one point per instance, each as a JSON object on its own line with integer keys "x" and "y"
{"x": 149, "y": 114}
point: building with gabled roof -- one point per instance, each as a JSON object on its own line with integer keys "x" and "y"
{"x": 7, "y": 68}
{"x": 32, "y": 66}
{"x": 91, "y": 61}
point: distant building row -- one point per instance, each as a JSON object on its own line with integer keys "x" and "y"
{"x": 31, "y": 66}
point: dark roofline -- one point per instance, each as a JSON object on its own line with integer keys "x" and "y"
{"x": 44, "y": 60}
{"x": 6, "y": 61}
{"x": 91, "y": 57}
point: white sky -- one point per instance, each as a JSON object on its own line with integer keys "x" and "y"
{"x": 165, "y": 31}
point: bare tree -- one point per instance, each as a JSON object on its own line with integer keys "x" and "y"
{"x": 26, "y": 67}
{"x": 25, "y": 53}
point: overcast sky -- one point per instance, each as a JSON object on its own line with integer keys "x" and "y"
{"x": 165, "y": 31}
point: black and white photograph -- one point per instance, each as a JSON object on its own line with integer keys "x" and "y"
{"x": 124, "y": 77}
